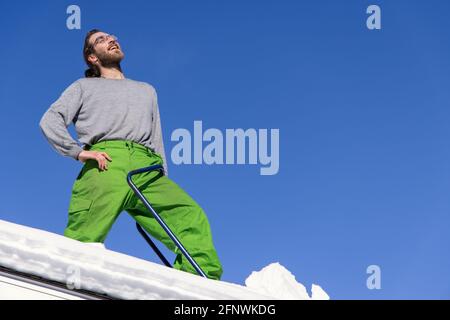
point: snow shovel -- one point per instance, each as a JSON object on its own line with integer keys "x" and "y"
{"x": 160, "y": 221}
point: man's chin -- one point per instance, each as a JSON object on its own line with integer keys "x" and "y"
{"x": 112, "y": 59}
{"x": 115, "y": 54}
{"x": 119, "y": 56}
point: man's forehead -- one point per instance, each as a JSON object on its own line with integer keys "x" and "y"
{"x": 96, "y": 35}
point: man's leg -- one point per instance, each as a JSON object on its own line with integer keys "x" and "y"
{"x": 97, "y": 199}
{"x": 184, "y": 217}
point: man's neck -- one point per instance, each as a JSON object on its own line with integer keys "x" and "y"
{"x": 111, "y": 73}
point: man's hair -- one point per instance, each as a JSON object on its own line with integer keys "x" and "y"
{"x": 93, "y": 71}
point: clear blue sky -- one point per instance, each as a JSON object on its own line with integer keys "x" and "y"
{"x": 363, "y": 116}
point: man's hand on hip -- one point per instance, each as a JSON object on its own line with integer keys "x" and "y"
{"x": 100, "y": 157}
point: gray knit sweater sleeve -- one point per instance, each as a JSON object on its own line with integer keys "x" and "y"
{"x": 157, "y": 130}
{"x": 58, "y": 117}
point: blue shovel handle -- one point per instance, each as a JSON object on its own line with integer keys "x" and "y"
{"x": 160, "y": 221}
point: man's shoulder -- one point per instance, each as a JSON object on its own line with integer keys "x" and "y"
{"x": 86, "y": 83}
{"x": 144, "y": 84}
{"x": 84, "y": 80}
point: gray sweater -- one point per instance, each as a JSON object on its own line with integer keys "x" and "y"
{"x": 104, "y": 109}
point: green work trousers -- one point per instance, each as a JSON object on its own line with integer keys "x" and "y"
{"x": 98, "y": 197}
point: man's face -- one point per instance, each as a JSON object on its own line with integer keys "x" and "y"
{"x": 106, "y": 49}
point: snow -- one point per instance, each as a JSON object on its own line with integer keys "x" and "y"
{"x": 275, "y": 280}
{"x": 92, "y": 267}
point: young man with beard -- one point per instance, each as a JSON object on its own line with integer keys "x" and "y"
{"x": 117, "y": 119}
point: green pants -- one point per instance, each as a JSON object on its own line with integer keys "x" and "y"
{"x": 98, "y": 197}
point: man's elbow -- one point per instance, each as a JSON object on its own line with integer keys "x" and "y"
{"x": 46, "y": 121}
{"x": 42, "y": 125}
{"x": 43, "y": 121}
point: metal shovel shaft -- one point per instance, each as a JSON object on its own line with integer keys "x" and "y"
{"x": 158, "y": 218}
{"x": 153, "y": 245}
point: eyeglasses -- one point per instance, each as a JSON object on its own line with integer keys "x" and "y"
{"x": 103, "y": 38}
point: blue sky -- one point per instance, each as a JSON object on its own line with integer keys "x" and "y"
{"x": 363, "y": 115}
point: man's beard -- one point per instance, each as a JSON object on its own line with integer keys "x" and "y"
{"x": 110, "y": 59}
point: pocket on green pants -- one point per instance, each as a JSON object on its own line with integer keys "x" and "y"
{"x": 78, "y": 211}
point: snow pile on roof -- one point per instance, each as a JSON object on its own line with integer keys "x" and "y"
{"x": 94, "y": 268}
{"x": 275, "y": 280}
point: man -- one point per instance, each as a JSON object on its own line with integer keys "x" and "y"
{"x": 117, "y": 119}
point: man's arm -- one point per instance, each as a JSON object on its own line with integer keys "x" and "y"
{"x": 58, "y": 117}
{"x": 157, "y": 133}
